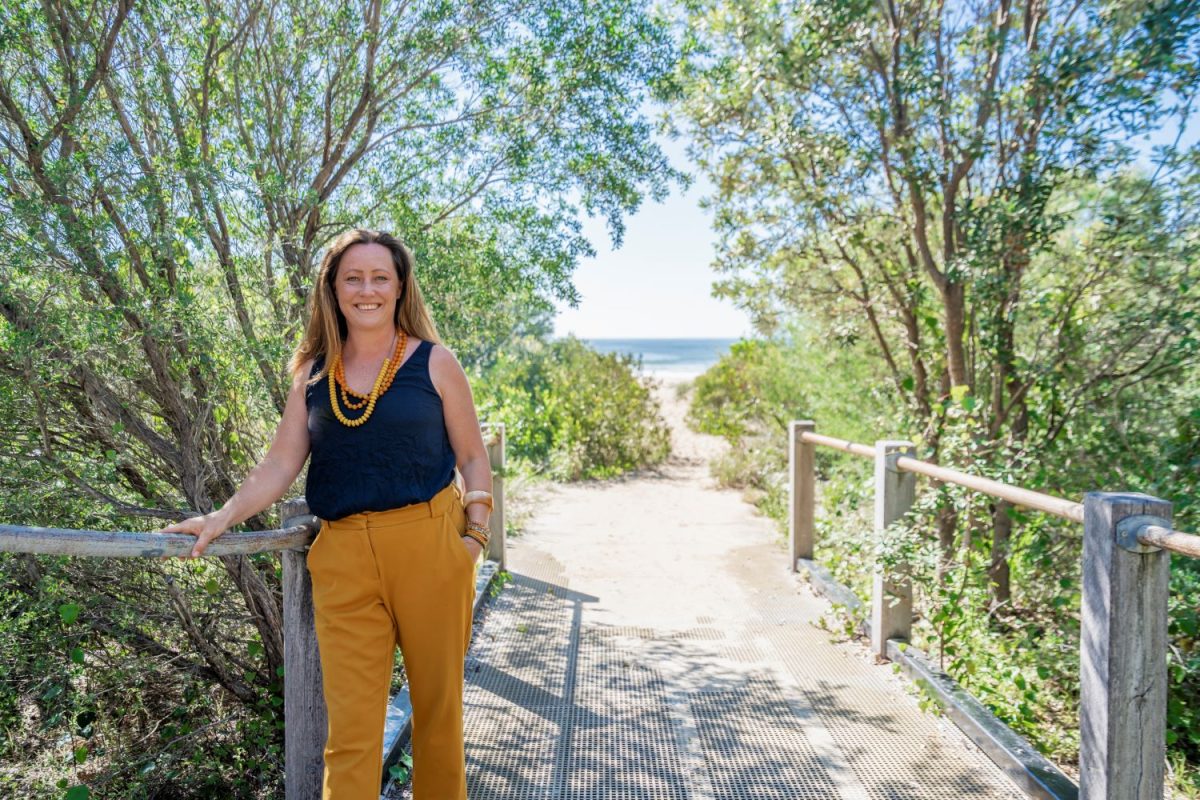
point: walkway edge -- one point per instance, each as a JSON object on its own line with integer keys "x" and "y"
{"x": 397, "y": 728}
{"x": 1032, "y": 772}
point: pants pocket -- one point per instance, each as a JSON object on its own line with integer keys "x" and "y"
{"x": 454, "y": 534}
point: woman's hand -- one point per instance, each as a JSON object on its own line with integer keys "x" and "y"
{"x": 205, "y": 528}
{"x": 473, "y": 547}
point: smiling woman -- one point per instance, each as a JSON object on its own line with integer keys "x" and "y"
{"x": 387, "y": 415}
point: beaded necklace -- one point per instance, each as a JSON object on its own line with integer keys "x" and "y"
{"x": 337, "y": 381}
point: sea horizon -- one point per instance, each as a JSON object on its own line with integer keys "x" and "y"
{"x": 680, "y": 356}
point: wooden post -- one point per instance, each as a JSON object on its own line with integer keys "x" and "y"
{"x": 305, "y": 722}
{"x": 494, "y": 436}
{"x": 1123, "y": 649}
{"x": 891, "y": 594}
{"x": 803, "y": 489}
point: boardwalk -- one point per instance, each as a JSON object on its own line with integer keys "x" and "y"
{"x": 653, "y": 645}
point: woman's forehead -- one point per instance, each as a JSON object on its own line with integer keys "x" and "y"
{"x": 367, "y": 256}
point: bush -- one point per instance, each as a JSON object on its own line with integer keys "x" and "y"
{"x": 572, "y": 413}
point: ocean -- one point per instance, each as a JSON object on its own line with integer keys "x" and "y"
{"x": 682, "y": 357}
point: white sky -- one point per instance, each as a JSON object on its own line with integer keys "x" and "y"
{"x": 658, "y": 284}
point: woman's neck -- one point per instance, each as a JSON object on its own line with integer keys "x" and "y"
{"x": 368, "y": 344}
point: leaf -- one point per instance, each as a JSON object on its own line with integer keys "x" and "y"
{"x": 69, "y": 612}
{"x": 81, "y": 754}
{"x": 77, "y": 655}
{"x": 77, "y": 793}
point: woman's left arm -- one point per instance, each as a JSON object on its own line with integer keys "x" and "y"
{"x": 462, "y": 424}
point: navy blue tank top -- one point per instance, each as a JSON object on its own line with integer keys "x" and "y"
{"x": 400, "y": 456}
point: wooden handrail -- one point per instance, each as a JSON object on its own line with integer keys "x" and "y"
{"x": 864, "y": 450}
{"x": 1123, "y": 608}
{"x": 135, "y": 544}
{"x": 1186, "y": 544}
{"x": 1057, "y": 506}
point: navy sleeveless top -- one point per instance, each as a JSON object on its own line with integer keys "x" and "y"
{"x": 400, "y": 456}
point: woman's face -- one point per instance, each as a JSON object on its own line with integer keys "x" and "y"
{"x": 367, "y": 287}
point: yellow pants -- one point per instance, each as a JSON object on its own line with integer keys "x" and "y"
{"x": 380, "y": 579}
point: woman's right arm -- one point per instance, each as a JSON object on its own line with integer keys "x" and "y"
{"x": 269, "y": 479}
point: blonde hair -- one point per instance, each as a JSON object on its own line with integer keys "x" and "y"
{"x": 326, "y": 330}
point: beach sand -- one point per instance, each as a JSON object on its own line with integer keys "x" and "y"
{"x": 688, "y": 448}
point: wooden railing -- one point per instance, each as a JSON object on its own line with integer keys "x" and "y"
{"x": 1123, "y": 647}
{"x": 304, "y": 704}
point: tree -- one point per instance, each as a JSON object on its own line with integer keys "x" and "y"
{"x": 169, "y": 174}
{"x": 911, "y": 167}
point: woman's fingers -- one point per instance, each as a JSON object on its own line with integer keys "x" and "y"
{"x": 201, "y": 543}
{"x": 192, "y": 527}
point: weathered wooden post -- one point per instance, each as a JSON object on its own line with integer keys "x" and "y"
{"x": 1123, "y": 649}
{"x": 304, "y": 717}
{"x": 891, "y": 594}
{"x": 494, "y": 437}
{"x": 803, "y": 490}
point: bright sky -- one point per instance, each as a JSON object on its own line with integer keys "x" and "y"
{"x": 658, "y": 284}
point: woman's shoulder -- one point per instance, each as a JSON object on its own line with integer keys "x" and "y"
{"x": 442, "y": 357}
{"x": 303, "y": 375}
{"x": 444, "y": 369}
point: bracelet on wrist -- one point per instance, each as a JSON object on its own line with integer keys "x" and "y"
{"x": 478, "y": 496}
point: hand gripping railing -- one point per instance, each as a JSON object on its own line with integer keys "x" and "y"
{"x": 304, "y": 704}
{"x": 1123, "y": 687}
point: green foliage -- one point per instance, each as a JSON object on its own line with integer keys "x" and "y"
{"x": 169, "y": 174}
{"x": 756, "y": 389}
{"x": 959, "y": 191}
{"x": 573, "y": 413}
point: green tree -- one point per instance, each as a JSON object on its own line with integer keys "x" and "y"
{"x": 168, "y": 176}
{"x": 900, "y": 168}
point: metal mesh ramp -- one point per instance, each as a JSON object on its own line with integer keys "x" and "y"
{"x": 632, "y": 669}
{"x": 559, "y": 706}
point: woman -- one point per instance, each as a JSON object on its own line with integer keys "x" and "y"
{"x": 387, "y": 414}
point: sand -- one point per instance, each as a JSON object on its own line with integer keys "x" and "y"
{"x": 665, "y": 548}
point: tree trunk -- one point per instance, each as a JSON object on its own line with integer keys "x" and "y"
{"x": 954, "y": 310}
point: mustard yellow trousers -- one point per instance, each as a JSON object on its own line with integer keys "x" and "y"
{"x": 381, "y": 579}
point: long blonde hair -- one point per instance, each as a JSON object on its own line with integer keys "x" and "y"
{"x": 326, "y": 330}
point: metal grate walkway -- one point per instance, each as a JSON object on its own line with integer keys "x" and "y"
{"x": 679, "y": 661}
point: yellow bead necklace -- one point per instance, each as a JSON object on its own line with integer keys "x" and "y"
{"x": 337, "y": 380}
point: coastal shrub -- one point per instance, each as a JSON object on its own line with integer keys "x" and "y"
{"x": 572, "y": 413}
{"x": 751, "y": 394}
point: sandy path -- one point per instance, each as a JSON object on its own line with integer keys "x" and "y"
{"x": 664, "y": 548}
